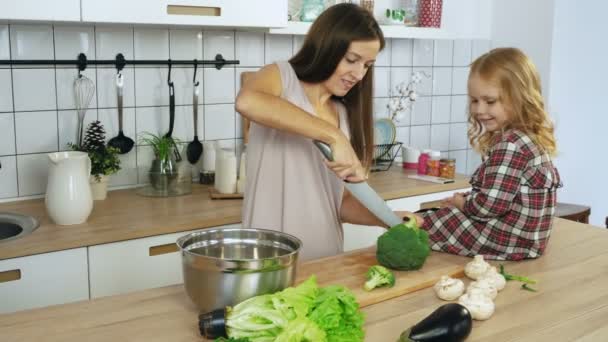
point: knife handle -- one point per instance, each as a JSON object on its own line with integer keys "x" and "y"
{"x": 325, "y": 149}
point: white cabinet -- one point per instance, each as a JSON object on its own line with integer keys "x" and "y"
{"x": 133, "y": 265}
{"x": 356, "y": 236}
{"x": 43, "y": 279}
{"x": 245, "y": 13}
{"x": 56, "y": 10}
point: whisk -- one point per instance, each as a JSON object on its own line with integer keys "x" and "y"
{"x": 84, "y": 89}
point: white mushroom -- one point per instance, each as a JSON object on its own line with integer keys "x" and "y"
{"x": 448, "y": 288}
{"x": 476, "y": 268}
{"x": 485, "y": 286}
{"x": 478, "y": 303}
{"x": 495, "y": 278}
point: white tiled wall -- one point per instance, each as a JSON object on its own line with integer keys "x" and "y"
{"x": 37, "y": 108}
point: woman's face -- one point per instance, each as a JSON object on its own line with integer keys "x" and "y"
{"x": 485, "y": 104}
{"x": 359, "y": 57}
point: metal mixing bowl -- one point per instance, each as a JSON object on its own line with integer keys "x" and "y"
{"x": 225, "y": 266}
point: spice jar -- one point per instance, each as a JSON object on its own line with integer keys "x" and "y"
{"x": 432, "y": 165}
{"x": 447, "y": 168}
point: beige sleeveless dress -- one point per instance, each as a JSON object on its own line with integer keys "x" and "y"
{"x": 288, "y": 187}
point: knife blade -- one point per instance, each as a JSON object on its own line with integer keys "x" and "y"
{"x": 365, "y": 194}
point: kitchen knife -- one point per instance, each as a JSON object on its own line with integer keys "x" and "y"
{"x": 365, "y": 194}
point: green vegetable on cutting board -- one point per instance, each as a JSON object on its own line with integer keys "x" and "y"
{"x": 516, "y": 277}
{"x": 403, "y": 247}
{"x": 378, "y": 276}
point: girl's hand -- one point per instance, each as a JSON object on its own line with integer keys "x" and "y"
{"x": 346, "y": 165}
{"x": 456, "y": 201}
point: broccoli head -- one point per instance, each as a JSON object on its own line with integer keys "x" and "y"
{"x": 378, "y": 276}
{"x": 403, "y": 247}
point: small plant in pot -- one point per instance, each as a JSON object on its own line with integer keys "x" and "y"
{"x": 163, "y": 171}
{"x": 104, "y": 159}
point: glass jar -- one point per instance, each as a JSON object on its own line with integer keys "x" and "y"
{"x": 432, "y": 167}
{"x": 447, "y": 168}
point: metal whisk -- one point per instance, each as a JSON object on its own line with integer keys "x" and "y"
{"x": 84, "y": 89}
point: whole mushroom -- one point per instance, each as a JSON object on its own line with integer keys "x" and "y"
{"x": 448, "y": 288}
{"x": 476, "y": 268}
{"x": 495, "y": 278}
{"x": 485, "y": 286}
{"x": 478, "y": 303}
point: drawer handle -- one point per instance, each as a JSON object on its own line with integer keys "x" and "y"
{"x": 11, "y": 275}
{"x": 203, "y": 11}
{"x": 164, "y": 249}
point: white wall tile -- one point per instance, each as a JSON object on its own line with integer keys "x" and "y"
{"x": 423, "y": 52}
{"x": 221, "y": 42}
{"x": 421, "y": 111}
{"x": 479, "y": 47}
{"x": 151, "y": 43}
{"x": 440, "y": 135}
{"x": 110, "y": 41}
{"x": 420, "y": 136}
{"x": 425, "y": 87}
{"x": 151, "y": 87}
{"x": 8, "y": 177}
{"x": 442, "y": 55}
{"x": 186, "y": 44}
{"x": 384, "y": 57}
{"x": 403, "y": 135}
{"x": 36, "y": 132}
{"x": 4, "y": 43}
{"x": 68, "y": 126}
{"x": 460, "y": 109}
{"x": 278, "y": 48}
{"x": 461, "y": 161}
{"x": 6, "y": 91}
{"x": 442, "y": 81}
{"x": 473, "y": 161}
{"x": 380, "y": 109}
{"x": 109, "y": 119}
{"x": 462, "y": 52}
{"x": 182, "y": 83}
{"x": 32, "y": 173}
{"x": 250, "y": 48}
{"x": 440, "y": 109}
{"x": 73, "y": 40}
{"x": 298, "y": 41}
{"x": 66, "y": 95}
{"x": 7, "y": 134}
{"x": 381, "y": 81}
{"x": 459, "y": 80}
{"x": 31, "y": 42}
{"x": 34, "y": 89}
{"x": 219, "y": 85}
{"x": 399, "y": 75}
{"x": 154, "y": 120}
{"x": 458, "y": 136}
{"x": 144, "y": 157}
{"x": 127, "y": 175}
{"x": 219, "y": 121}
{"x": 106, "y": 87}
{"x": 184, "y": 123}
{"x": 402, "y": 52}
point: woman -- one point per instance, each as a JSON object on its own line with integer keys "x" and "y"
{"x": 323, "y": 93}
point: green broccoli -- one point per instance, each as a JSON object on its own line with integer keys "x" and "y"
{"x": 378, "y": 276}
{"x": 403, "y": 247}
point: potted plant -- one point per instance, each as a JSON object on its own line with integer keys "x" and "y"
{"x": 104, "y": 159}
{"x": 163, "y": 171}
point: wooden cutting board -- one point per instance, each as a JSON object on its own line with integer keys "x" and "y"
{"x": 349, "y": 270}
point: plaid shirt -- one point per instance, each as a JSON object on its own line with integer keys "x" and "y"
{"x": 509, "y": 212}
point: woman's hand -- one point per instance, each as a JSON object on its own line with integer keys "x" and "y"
{"x": 346, "y": 164}
{"x": 410, "y": 215}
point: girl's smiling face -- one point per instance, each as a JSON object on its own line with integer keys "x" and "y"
{"x": 485, "y": 104}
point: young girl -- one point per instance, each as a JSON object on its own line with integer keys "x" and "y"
{"x": 509, "y": 212}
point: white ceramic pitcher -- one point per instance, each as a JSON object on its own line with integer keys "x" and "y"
{"x": 68, "y": 193}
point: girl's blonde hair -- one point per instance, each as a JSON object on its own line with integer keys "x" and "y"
{"x": 520, "y": 92}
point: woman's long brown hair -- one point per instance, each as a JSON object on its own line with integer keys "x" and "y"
{"x": 326, "y": 43}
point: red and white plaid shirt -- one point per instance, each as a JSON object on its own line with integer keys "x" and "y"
{"x": 509, "y": 213}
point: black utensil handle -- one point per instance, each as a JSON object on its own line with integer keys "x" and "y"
{"x": 195, "y": 109}
{"x": 120, "y": 112}
{"x": 325, "y": 149}
{"x": 171, "y": 109}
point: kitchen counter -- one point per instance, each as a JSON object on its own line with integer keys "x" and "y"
{"x": 124, "y": 215}
{"x": 571, "y": 304}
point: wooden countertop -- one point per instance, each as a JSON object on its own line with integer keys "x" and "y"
{"x": 124, "y": 215}
{"x": 572, "y": 304}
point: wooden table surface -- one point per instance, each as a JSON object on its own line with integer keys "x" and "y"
{"x": 571, "y": 305}
{"x": 124, "y": 215}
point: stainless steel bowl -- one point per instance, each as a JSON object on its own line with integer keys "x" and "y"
{"x": 225, "y": 266}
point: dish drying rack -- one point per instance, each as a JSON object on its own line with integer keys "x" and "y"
{"x": 384, "y": 155}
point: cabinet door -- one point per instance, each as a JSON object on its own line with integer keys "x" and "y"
{"x": 56, "y": 10}
{"x": 133, "y": 265}
{"x": 43, "y": 279}
{"x": 267, "y": 13}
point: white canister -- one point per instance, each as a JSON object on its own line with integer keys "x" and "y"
{"x": 208, "y": 156}
{"x": 410, "y": 157}
{"x": 225, "y": 172}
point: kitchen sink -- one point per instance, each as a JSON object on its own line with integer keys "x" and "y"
{"x": 14, "y": 226}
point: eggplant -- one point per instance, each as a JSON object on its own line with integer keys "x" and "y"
{"x": 449, "y": 323}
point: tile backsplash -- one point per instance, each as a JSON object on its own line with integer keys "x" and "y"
{"x": 37, "y": 107}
